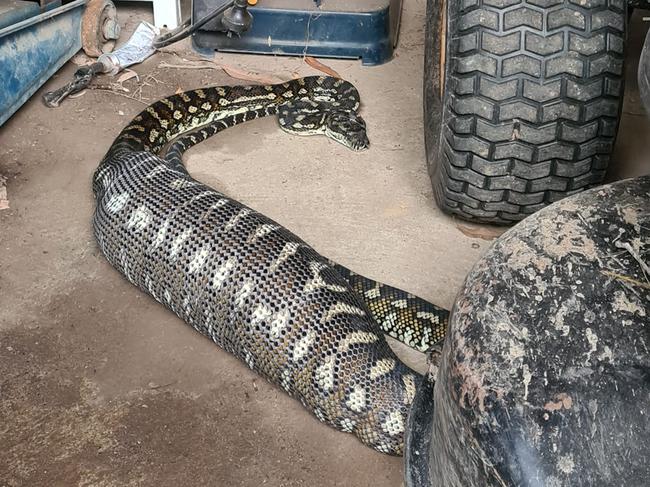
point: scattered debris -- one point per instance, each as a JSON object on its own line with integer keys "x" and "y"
{"x": 316, "y": 64}
{"x": 233, "y": 72}
{"x": 628, "y": 279}
{"x": 562, "y": 401}
{"x": 516, "y": 130}
{"x": 110, "y": 87}
{"x": 138, "y": 48}
{"x": 118, "y": 88}
{"x": 82, "y": 60}
{"x": 236, "y": 72}
{"x": 635, "y": 255}
{"x": 115, "y": 92}
{"x": 190, "y": 65}
{"x": 4, "y": 202}
{"x": 481, "y": 231}
{"x": 78, "y": 95}
{"x": 154, "y": 386}
{"x": 127, "y": 75}
{"x": 262, "y": 78}
{"x": 146, "y": 82}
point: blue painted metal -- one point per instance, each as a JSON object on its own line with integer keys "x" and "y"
{"x": 14, "y": 11}
{"x": 356, "y": 29}
{"x": 32, "y": 50}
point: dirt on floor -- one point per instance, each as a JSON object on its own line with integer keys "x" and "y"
{"x": 100, "y": 385}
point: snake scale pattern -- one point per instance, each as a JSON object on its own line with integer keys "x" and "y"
{"x": 312, "y": 327}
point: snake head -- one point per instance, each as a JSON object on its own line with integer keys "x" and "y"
{"x": 347, "y": 128}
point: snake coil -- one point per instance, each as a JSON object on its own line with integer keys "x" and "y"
{"x": 306, "y": 324}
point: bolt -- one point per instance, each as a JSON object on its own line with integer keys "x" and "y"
{"x": 111, "y": 29}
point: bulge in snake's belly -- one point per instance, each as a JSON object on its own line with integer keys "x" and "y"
{"x": 238, "y": 277}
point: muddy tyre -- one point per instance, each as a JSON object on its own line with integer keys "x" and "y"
{"x": 544, "y": 378}
{"x": 522, "y": 101}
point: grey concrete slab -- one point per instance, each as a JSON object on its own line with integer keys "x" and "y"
{"x": 100, "y": 385}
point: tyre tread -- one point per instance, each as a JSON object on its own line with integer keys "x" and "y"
{"x": 534, "y": 92}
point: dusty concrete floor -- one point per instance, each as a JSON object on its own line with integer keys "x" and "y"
{"x": 100, "y": 385}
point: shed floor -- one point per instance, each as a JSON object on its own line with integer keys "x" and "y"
{"x": 100, "y": 385}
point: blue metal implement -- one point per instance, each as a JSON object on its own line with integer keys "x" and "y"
{"x": 33, "y": 49}
{"x": 14, "y": 11}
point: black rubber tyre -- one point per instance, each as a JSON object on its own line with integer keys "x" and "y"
{"x": 527, "y": 107}
{"x": 643, "y": 74}
{"x": 544, "y": 378}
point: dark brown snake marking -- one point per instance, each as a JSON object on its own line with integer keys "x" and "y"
{"x": 307, "y": 324}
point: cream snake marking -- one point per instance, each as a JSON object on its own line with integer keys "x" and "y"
{"x": 306, "y": 324}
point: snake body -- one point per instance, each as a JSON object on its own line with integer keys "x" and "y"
{"x": 305, "y": 323}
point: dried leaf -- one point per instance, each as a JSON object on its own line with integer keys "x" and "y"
{"x": 4, "y": 202}
{"x": 78, "y": 95}
{"x": 316, "y": 64}
{"x": 482, "y": 232}
{"x": 189, "y": 65}
{"x": 179, "y": 90}
{"x": 118, "y": 87}
{"x": 81, "y": 60}
{"x": 262, "y": 78}
{"x": 127, "y": 75}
